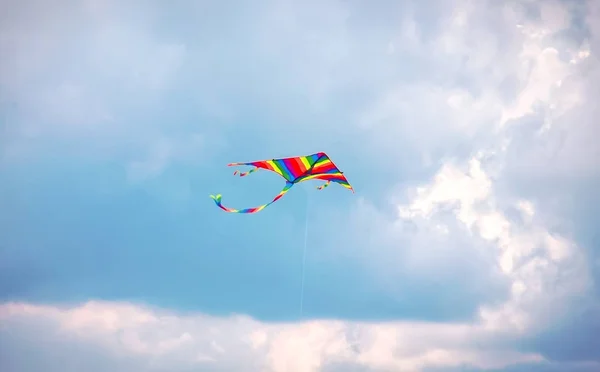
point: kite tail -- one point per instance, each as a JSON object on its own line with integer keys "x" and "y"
{"x": 323, "y": 185}
{"x": 217, "y": 199}
{"x": 244, "y": 174}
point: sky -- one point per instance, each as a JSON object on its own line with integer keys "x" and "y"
{"x": 467, "y": 128}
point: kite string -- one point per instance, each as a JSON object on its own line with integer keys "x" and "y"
{"x": 304, "y": 257}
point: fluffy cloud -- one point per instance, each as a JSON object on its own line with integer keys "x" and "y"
{"x": 523, "y": 115}
{"x": 547, "y": 271}
{"x": 154, "y": 340}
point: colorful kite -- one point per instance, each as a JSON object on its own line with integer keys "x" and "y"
{"x": 294, "y": 170}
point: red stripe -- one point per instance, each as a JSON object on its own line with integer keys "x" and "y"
{"x": 324, "y": 167}
{"x": 301, "y": 164}
{"x": 266, "y": 165}
{"x": 331, "y": 177}
{"x": 292, "y": 165}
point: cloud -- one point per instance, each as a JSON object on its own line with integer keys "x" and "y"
{"x": 544, "y": 269}
{"x": 504, "y": 130}
{"x": 510, "y": 122}
{"x": 129, "y": 336}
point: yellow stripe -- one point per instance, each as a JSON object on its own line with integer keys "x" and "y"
{"x": 275, "y": 167}
{"x": 313, "y": 176}
{"x": 304, "y": 161}
{"x": 309, "y": 177}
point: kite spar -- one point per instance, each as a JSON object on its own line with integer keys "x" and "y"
{"x": 294, "y": 170}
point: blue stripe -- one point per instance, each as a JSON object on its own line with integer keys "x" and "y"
{"x": 286, "y": 172}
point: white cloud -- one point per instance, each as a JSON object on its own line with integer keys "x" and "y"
{"x": 156, "y": 338}
{"x": 546, "y": 269}
{"x": 531, "y": 257}
{"x": 490, "y": 123}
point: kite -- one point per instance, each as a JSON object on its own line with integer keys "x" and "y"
{"x": 294, "y": 170}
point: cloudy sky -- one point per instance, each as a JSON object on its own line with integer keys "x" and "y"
{"x": 468, "y": 129}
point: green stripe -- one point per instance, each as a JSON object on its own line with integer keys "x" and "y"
{"x": 284, "y": 170}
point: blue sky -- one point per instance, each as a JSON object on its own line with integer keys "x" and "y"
{"x": 466, "y": 128}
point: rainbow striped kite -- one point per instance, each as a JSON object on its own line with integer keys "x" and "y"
{"x": 295, "y": 170}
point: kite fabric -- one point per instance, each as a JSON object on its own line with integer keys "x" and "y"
{"x": 295, "y": 170}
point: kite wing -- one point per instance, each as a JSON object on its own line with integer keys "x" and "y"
{"x": 324, "y": 169}
{"x": 293, "y": 170}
